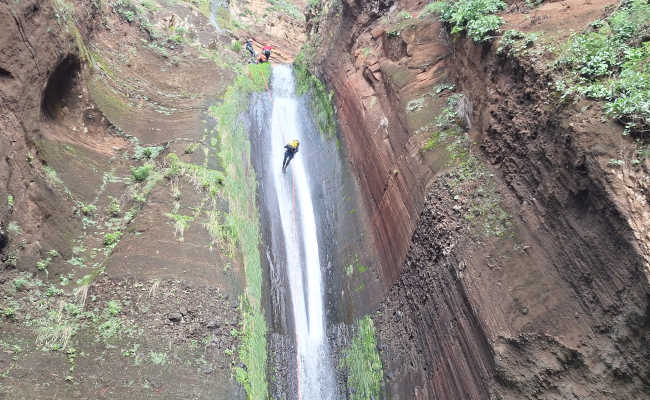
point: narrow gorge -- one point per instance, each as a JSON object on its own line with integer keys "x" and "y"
{"x": 466, "y": 217}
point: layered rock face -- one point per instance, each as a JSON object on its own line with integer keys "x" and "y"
{"x": 376, "y": 77}
{"x": 556, "y": 308}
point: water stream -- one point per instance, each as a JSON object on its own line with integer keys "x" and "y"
{"x": 215, "y": 6}
{"x": 315, "y": 375}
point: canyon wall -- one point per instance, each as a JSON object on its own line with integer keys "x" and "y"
{"x": 553, "y": 306}
{"x": 40, "y": 67}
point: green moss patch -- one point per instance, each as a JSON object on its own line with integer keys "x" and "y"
{"x": 239, "y": 188}
{"x": 362, "y": 364}
{"x": 483, "y": 208}
{"x": 322, "y": 103}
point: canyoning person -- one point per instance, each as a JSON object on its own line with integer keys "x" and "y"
{"x": 261, "y": 58}
{"x": 291, "y": 150}
{"x": 249, "y": 47}
{"x": 267, "y": 52}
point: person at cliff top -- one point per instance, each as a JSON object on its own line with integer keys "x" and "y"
{"x": 261, "y": 58}
{"x": 292, "y": 149}
{"x": 267, "y": 52}
{"x": 249, "y": 47}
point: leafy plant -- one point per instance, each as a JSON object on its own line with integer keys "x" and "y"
{"x": 109, "y": 329}
{"x": 288, "y": 8}
{"x": 514, "y": 42}
{"x": 9, "y": 312}
{"x": 474, "y": 16}
{"x": 111, "y": 238}
{"x": 147, "y": 153}
{"x": 179, "y": 35}
{"x": 113, "y": 307}
{"x": 140, "y": 174}
{"x": 444, "y": 86}
{"x": 42, "y": 265}
{"x": 20, "y": 283}
{"x": 53, "y": 291}
{"x": 610, "y": 63}
{"x": 158, "y": 49}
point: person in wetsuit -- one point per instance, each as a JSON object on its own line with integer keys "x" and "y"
{"x": 291, "y": 150}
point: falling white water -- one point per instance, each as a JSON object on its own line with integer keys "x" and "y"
{"x": 215, "y": 6}
{"x": 315, "y": 373}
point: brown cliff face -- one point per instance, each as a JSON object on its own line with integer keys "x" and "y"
{"x": 556, "y": 308}
{"x": 383, "y": 89}
{"x": 93, "y": 97}
{"x": 41, "y": 65}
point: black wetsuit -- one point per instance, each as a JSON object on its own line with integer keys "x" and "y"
{"x": 288, "y": 155}
{"x": 249, "y": 47}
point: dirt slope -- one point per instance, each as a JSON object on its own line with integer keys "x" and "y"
{"x": 113, "y": 284}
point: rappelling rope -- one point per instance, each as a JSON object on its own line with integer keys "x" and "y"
{"x": 266, "y": 84}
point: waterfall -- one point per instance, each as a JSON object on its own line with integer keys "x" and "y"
{"x": 215, "y": 6}
{"x": 315, "y": 373}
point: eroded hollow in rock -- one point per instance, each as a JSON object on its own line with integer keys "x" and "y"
{"x": 4, "y": 74}
{"x": 3, "y": 237}
{"x": 60, "y": 85}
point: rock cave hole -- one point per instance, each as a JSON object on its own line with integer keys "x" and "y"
{"x": 4, "y": 74}
{"x": 59, "y": 90}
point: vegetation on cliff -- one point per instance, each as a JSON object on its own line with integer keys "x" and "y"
{"x": 611, "y": 62}
{"x": 240, "y": 186}
{"x": 322, "y": 104}
{"x": 362, "y": 364}
{"x": 475, "y": 17}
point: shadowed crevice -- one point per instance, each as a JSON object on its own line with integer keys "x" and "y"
{"x": 4, "y": 74}
{"x": 59, "y": 86}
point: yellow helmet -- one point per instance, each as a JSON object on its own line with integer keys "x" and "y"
{"x": 294, "y": 143}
